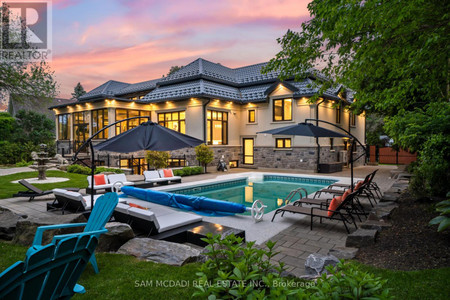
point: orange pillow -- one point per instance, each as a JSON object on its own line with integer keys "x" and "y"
{"x": 168, "y": 173}
{"x": 99, "y": 179}
{"x": 333, "y": 205}
{"x": 137, "y": 206}
{"x": 346, "y": 193}
{"x": 358, "y": 185}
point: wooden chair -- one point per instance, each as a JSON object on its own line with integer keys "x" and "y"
{"x": 50, "y": 272}
{"x": 100, "y": 215}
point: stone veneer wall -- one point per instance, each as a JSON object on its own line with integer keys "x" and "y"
{"x": 264, "y": 157}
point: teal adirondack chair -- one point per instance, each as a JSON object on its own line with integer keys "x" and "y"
{"x": 103, "y": 209}
{"x": 52, "y": 271}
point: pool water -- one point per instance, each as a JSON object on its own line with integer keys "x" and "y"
{"x": 270, "y": 190}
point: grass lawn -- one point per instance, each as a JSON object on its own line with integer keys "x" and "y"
{"x": 7, "y": 189}
{"x": 124, "y": 277}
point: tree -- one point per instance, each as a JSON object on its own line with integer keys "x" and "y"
{"x": 33, "y": 127}
{"x": 395, "y": 55}
{"x": 78, "y": 91}
{"x": 26, "y": 80}
{"x": 204, "y": 154}
{"x": 158, "y": 159}
{"x": 173, "y": 69}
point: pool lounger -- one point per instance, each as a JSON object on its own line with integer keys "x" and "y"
{"x": 73, "y": 201}
{"x": 156, "y": 219}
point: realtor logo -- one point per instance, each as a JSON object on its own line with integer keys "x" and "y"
{"x": 25, "y": 30}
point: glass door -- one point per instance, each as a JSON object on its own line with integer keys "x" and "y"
{"x": 248, "y": 151}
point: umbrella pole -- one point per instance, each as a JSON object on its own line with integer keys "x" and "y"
{"x": 318, "y": 155}
{"x": 92, "y": 174}
{"x": 351, "y": 163}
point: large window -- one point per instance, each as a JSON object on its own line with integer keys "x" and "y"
{"x": 63, "y": 127}
{"x": 283, "y": 143}
{"x": 282, "y": 110}
{"x": 352, "y": 119}
{"x": 338, "y": 114}
{"x": 81, "y": 125}
{"x": 173, "y": 120}
{"x": 122, "y": 114}
{"x": 217, "y": 127}
{"x": 99, "y": 121}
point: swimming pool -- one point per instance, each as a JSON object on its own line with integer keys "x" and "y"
{"x": 269, "y": 189}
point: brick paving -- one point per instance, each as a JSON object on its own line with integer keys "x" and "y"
{"x": 294, "y": 243}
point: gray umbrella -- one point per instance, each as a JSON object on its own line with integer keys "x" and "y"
{"x": 148, "y": 136}
{"x": 305, "y": 129}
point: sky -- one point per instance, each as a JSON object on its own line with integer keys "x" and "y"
{"x": 137, "y": 40}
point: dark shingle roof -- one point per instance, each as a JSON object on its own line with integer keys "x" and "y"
{"x": 202, "y": 78}
{"x": 109, "y": 88}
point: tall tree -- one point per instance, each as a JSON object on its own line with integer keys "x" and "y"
{"x": 173, "y": 69}
{"x": 26, "y": 80}
{"x": 395, "y": 55}
{"x": 78, "y": 91}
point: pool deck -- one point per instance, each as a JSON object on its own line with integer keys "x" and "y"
{"x": 295, "y": 241}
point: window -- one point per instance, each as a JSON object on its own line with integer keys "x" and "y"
{"x": 173, "y": 120}
{"x": 352, "y": 119}
{"x": 122, "y": 114}
{"x": 63, "y": 127}
{"x": 99, "y": 121}
{"x": 338, "y": 114}
{"x": 282, "y": 143}
{"x": 251, "y": 116}
{"x": 331, "y": 144}
{"x": 217, "y": 127}
{"x": 80, "y": 128}
{"x": 282, "y": 110}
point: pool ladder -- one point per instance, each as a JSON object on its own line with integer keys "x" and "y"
{"x": 293, "y": 193}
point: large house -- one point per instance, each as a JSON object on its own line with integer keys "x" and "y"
{"x": 223, "y": 106}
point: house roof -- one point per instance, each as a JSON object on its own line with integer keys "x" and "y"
{"x": 202, "y": 78}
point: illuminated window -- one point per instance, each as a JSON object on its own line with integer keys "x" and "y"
{"x": 81, "y": 125}
{"x": 282, "y": 110}
{"x": 338, "y": 114}
{"x": 217, "y": 127}
{"x": 282, "y": 143}
{"x": 352, "y": 119}
{"x": 122, "y": 114}
{"x": 63, "y": 127}
{"x": 173, "y": 120}
{"x": 251, "y": 116}
{"x": 99, "y": 121}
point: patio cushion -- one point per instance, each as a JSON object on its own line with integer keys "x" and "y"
{"x": 175, "y": 220}
{"x": 142, "y": 214}
{"x": 151, "y": 175}
{"x": 168, "y": 173}
{"x": 333, "y": 205}
{"x": 99, "y": 179}
{"x": 137, "y": 206}
{"x": 122, "y": 208}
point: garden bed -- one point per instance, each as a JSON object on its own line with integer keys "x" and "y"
{"x": 410, "y": 244}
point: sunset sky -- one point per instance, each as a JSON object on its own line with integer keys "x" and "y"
{"x": 138, "y": 40}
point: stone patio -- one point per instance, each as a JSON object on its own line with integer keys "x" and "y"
{"x": 294, "y": 243}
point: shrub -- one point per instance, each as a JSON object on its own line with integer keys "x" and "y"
{"x": 78, "y": 169}
{"x": 11, "y": 153}
{"x": 235, "y": 270}
{"x": 443, "y": 219}
{"x": 158, "y": 159}
{"x": 87, "y": 171}
{"x": 204, "y": 154}
{"x": 187, "y": 171}
{"x": 24, "y": 163}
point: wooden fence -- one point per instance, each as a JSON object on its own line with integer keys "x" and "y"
{"x": 387, "y": 155}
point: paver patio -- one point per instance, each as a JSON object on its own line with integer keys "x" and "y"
{"x": 294, "y": 243}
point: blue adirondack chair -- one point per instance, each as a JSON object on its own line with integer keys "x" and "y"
{"x": 52, "y": 271}
{"x": 103, "y": 209}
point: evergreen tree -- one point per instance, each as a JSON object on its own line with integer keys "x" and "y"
{"x": 78, "y": 91}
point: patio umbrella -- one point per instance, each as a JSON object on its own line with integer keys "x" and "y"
{"x": 307, "y": 129}
{"x": 148, "y": 136}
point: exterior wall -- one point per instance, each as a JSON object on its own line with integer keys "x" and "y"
{"x": 302, "y": 155}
